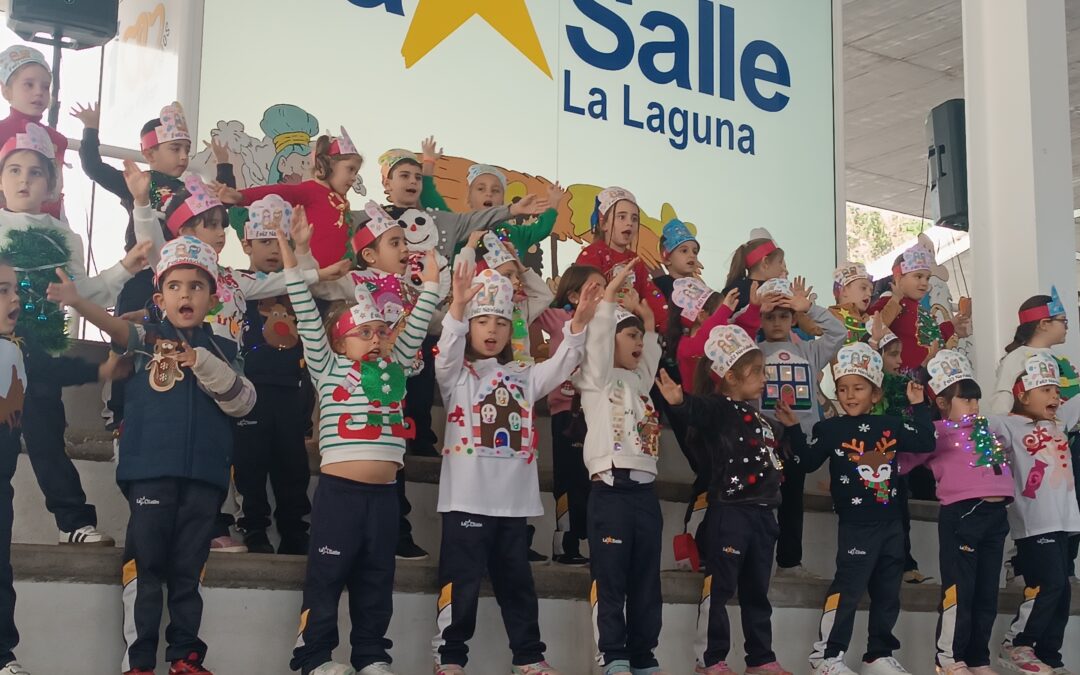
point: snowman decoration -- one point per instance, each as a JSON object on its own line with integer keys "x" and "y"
{"x": 422, "y": 236}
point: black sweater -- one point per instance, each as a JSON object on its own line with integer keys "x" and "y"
{"x": 862, "y": 459}
{"x": 736, "y": 446}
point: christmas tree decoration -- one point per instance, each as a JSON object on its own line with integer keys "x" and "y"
{"x": 928, "y": 329}
{"x": 987, "y": 448}
{"x": 35, "y": 253}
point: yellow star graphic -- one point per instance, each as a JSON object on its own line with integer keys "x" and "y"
{"x": 436, "y": 20}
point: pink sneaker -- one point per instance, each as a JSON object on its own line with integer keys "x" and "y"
{"x": 1022, "y": 660}
{"x": 774, "y": 668}
{"x": 720, "y": 668}
{"x": 227, "y": 544}
{"x": 538, "y": 668}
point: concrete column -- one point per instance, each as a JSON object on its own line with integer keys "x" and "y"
{"x": 1019, "y": 166}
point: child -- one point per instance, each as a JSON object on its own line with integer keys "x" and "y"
{"x": 165, "y": 143}
{"x": 622, "y": 353}
{"x": 759, "y": 259}
{"x": 1044, "y": 514}
{"x": 38, "y": 243}
{"x": 19, "y": 359}
{"x": 908, "y": 319}
{"x": 324, "y": 197}
{"x": 679, "y": 250}
{"x": 270, "y": 440}
{"x": 175, "y": 451}
{"x": 975, "y": 484}
{"x": 1042, "y": 326}
{"x": 869, "y": 556}
{"x": 853, "y": 291}
{"x": 487, "y": 188}
{"x": 738, "y": 447}
{"x": 792, "y": 370}
{"x": 362, "y": 432}
{"x": 570, "y": 479}
{"x": 615, "y": 221}
{"x": 25, "y": 76}
{"x": 489, "y": 485}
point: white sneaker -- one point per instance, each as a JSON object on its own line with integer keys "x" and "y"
{"x": 886, "y": 665}
{"x": 831, "y": 666}
{"x": 380, "y": 668}
{"x": 331, "y": 668}
{"x": 86, "y": 535}
{"x": 1021, "y": 660}
{"x": 797, "y": 572}
{"x": 14, "y": 668}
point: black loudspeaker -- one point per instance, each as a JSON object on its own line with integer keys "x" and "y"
{"x": 87, "y": 23}
{"x": 947, "y": 153}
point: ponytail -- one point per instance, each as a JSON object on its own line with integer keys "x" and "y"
{"x": 1026, "y": 331}
{"x": 739, "y": 269}
{"x": 674, "y": 331}
{"x": 322, "y": 167}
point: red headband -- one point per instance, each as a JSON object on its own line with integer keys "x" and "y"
{"x": 759, "y": 253}
{"x": 180, "y": 216}
{"x": 1035, "y": 314}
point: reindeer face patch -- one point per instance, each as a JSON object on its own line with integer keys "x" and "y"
{"x": 874, "y": 467}
{"x": 279, "y": 325}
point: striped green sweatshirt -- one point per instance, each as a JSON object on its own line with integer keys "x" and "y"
{"x": 329, "y": 372}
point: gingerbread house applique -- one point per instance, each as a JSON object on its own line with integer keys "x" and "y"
{"x": 503, "y": 415}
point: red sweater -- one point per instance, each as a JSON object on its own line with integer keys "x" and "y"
{"x": 326, "y": 210}
{"x": 906, "y": 327}
{"x": 692, "y": 347}
{"x": 600, "y": 255}
{"x": 15, "y": 123}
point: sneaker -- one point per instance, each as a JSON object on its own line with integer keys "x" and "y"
{"x": 766, "y": 668}
{"x": 257, "y": 542}
{"x": 958, "y": 668}
{"x": 982, "y": 670}
{"x": 226, "y": 544}
{"x": 538, "y": 668}
{"x": 14, "y": 668}
{"x": 449, "y": 669}
{"x": 619, "y": 667}
{"x": 192, "y": 665}
{"x": 1021, "y": 660}
{"x": 833, "y": 665}
{"x": 331, "y": 668}
{"x": 87, "y": 535}
{"x": 796, "y": 572}
{"x": 885, "y": 665}
{"x": 535, "y": 557}
{"x": 408, "y": 550}
{"x": 719, "y": 668}
{"x": 915, "y": 577}
{"x": 380, "y": 668}
{"x": 570, "y": 559}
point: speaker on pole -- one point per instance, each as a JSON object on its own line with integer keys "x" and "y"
{"x": 947, "y": 154}
{"x": 81, "y": 23}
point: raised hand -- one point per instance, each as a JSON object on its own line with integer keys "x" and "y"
{"x": 616, "y": 283}
{"x": 785, "y": 415}
{"x": 63, "y": 292}
{"x": 555, "y": 196}
{"x": 962, "y": 325}
{"x": 138, "y": 182}
{"x": 219, "y": 149}
{"x": 137, "y": 258}
{"x": 463, "y": 290}
{"x": 226, "y": 194}
{"x": 430, "y": 269}
{"x": 800, "y": 299}
{"x": 916, "y": 394}
{"x": 430, "y": 153}
{"x": 288, "y": 256}
{"x": 669, "y": 388}
{"x": 528, "y": 205}
{"x": 115, "y": 367}
{"x": 771, "y": 301}
{"x": 300, "y": 229}
{"x": 591, "y": 295}
{"x": 90, "y": 116}
{"x": 731, "y": 300}
{"x": 629, "y": 300}
{"x": 335, "y": 271}
{"x": 186, "y": 355}
{"x": 474, "y": 238}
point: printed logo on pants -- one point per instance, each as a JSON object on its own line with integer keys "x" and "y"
{"x": 611, "y": 540}
{"x": 470, "y": 523}
{"x": 731, "y": 550}
{"x": 326, "y": 550}
{"x": 856, "y": 551}
{"x": 147, "y": 501}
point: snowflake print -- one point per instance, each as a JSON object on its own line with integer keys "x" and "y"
{"x": 908, "y": 427}
{"x": 864, "y": 428}
{"x": 845, "y": 480}
{"x": 855, "y": 501}
{"x": 839, "y": 452}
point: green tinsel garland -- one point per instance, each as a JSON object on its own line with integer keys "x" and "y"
{"x": 36, "y": 253}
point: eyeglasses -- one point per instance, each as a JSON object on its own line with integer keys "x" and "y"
{"x": 369, "y": 333}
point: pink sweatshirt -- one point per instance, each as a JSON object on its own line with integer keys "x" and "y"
{"x": 953, "y": 464}
{"x": 692, "y": 347}
{"x": 551, "y": 321}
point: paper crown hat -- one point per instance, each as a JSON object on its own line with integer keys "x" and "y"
{"x": 342, "y": 145}
{"x": 378, "y": 223}
{"x": 187, "y": 250}
{"x": 364, "y": 311}
{"x": 1047, "y": 311}
{"x": 674, "y": 235}
{"x": 859, "y": 359}
{"x": 776, "y": 285}
{"x": 17, "y": 56}
{"x": 495, "y": 251}
{"x": 199, "y": 200}
{"x": 608, "y": 198}
{"x": 947, "y": 368}
{"x": 622, "y": 314}
{"x": 726, "y": 345}
{"x": 33, "y": 138}
{"x": 173, "y": 127}
{"x": 690, "y": 295}
{"x": 266, "y": 215}
{"x": 886, "y": 337}
{"x": 385, "y": 290}
{"x": 477, "y": 170}
{"x": 1040, "y": 370}
{"x": 496, "y": 296}
{"x": 916, "y": 258}
{"x": 391, "y": 158}
{"x": 848, "y": 273}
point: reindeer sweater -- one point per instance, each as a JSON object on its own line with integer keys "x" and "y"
{"x": 349, "y": 404}
{"x": 861, "y": 451}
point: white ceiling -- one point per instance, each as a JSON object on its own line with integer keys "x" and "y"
{"x": 902, "y": 58}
